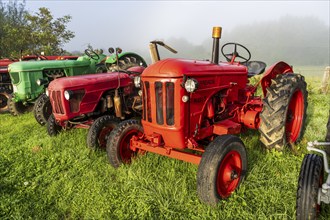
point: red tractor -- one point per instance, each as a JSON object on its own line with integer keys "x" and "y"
{"x": 192, "y": 110}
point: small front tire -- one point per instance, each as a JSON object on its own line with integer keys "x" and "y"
{"x": 309, "y": 183}
{"x": 118, "y": 143}
{"x": 52, "y": 127}
{"x": 18, "y": 108}
{"x": 42, "y": 109}
{"x": 222, "y": 168}
{"x": 100, "y": 130}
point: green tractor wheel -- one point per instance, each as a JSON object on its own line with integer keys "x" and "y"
{"x": 42, "y": 109}
{"x": 18, "y": 108}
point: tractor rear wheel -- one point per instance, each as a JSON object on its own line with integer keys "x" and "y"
{"x": 222, "y": 168}
{"x": 284, "y": 111}
{"x": 42, "y": 109}
{"x": 126, "y": 62}
{"x": 118, "y": 143}
{"x": 310, "y": 180}
{"x": 52, "y": 127}
{"x": 4, "y": 97}
{"x": 100, "y": 130}
{"x": 18, "y": 108}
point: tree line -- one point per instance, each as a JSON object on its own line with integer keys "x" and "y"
{"x": 24, "y": 33}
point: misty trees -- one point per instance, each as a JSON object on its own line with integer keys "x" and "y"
{"x": 296, "y": 40}
{"x": 32, "y": 33}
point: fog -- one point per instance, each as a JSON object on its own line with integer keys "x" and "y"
{"x": 293, "y": 31}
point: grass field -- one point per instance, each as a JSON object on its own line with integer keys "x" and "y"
{"x": 60, "y": 178}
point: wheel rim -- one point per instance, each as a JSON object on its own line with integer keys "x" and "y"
{"x": 295, "y": 116}
{"x": 105, "y": 132}
{"x": 229, "y": 174}
{"x": 3, "y": 100}
{"x": 125, "y": 151}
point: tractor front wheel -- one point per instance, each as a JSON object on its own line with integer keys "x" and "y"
{"x": 118, "y": 143}
{"x": 42, "y": 109}
{"x": 52, "y": 127}
{"x": 310, "y": 180}
{"x": 4, "y": 97}
{"x": 100, "y": 130}
{"x": 222, "y": 168}
{"x": 284, "y": 111}
{"x": 18, "y": 108}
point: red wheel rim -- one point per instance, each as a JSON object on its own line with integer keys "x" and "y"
{"x": 125, "y": 151}
{"x": 105, "y": 132}
{"x": 229, "y": 174}
{"x": 295, "y": 114}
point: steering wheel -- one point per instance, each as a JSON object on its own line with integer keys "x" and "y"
{"x": 230, "y": 57}
{"x": 92, "y": 54}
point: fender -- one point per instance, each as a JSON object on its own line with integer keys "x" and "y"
{"x": 272, "y": 72}
{"x": 112, "y": 59}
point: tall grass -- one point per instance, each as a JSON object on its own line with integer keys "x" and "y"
{"x": 44, "y": 177}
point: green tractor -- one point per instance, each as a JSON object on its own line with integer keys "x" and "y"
{"x": 29, "y": 79}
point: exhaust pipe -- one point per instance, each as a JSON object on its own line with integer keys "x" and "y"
{"x": 216, "y": 35}
{"x": 117, "y": 102}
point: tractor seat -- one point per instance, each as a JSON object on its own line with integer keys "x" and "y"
{"x": 255, "y": 68}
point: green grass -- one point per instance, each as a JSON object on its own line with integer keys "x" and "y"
{"x": 60, "y": 178}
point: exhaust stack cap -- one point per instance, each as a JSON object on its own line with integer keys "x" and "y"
{"x": 216, "y": 33}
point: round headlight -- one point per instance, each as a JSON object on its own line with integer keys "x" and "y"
{"x": 185, "y": 98}
{"x": 68, "y": 94}
{"x": 137, "y": 81}
{"x": 191, "y": 85}
{"x": 38, "y": 82}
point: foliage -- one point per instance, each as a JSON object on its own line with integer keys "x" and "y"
{"x": 31, "y": 33}
{"x": 45, "y": 33}
{"x": 44, "y": 177}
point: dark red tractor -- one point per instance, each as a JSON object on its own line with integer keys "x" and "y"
{"x": 193, "y": 109}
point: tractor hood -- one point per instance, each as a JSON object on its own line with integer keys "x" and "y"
{"x": 97, "y": 81}
{"x": 173, "y": 68}
{"x": 51, "y": 64}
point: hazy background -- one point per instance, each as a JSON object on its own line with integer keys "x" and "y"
{"x": 295, "y": 31}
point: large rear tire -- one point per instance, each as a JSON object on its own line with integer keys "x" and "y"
{"x": 42, "y": 109}
{"x": 126, "y": 62}
{"x": 100, "y": 130}
{"x": 118, "y": 143}
{"x": 4, "y": 97}
{"x": 52, "y": 127}
{"x": 310, "y": 180}
{"x": 284, "y": 111}
{"x": 222, "y": 168}
{"x": 18, "y": 108}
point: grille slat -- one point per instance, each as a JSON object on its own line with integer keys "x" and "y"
{"x": 161, "y": 89}
{"x": 58, "y": 108}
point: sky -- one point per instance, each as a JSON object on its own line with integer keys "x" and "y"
{"x": 132, "y": 24}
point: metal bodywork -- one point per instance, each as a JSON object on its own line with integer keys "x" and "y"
{"x": 24, "y": 75}
{"x": 223, "y": 104}
{"x": 92, "y": 95}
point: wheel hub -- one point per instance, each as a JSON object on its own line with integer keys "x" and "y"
{"x": 234, "y": 175}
